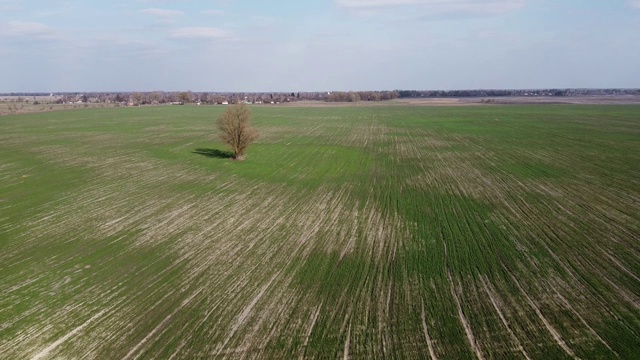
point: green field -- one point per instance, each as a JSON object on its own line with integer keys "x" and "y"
{"x": 366, "y": 232}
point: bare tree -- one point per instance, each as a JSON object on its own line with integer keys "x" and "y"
{"x": 137, "y": 98}
{"x": 155, "y": 97}
{"x": 236, "y": 130}
{"x": 184, "y": 97}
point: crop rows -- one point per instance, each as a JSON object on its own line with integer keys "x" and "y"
{"x": 403, "y": 232}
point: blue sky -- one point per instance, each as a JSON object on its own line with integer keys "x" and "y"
{"x": 317, "y": 45}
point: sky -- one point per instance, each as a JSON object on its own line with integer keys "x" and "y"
{"x": 317, "y": 45}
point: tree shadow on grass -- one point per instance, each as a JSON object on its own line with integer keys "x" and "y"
{"x": 214, "y": 153}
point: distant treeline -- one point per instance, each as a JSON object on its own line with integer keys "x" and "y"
{"x": 185, "y": 97}
{"x": 354, "y": 96}
{"x": 520, "y": 92}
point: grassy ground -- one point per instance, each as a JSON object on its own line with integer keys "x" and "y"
{"x": 403, "y": 232}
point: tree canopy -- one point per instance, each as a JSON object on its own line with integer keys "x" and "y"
{"x": 236, "y": 130}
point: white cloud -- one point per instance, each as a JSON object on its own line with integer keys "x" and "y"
{"x": 634, "y": 4}
{"x": 159, "y": 1}
{"x": 263, "y": 21}
{"x": 200, "y": 33}
{"x": 26, "y": 29}
{"x": 121, "y": 48}
{"x": 437, "y": 6}
{"x": 10, "y": 5}
{"x": 213, "y": 12}
{"x": 165, "y": 14}
{"x": 375, "y": 3}
{"x": 8, "y": 8}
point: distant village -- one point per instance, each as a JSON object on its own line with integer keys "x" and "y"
{"x": 220, "y": 98}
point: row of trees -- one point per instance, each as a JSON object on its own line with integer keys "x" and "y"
{"x": 355, "y": 96}
{"x": 514, "y": 92}
{"x": 186, "y": 97}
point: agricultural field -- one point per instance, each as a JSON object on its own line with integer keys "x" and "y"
{"x": 12, "y": 106}
{"x": 488, "y": 232}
